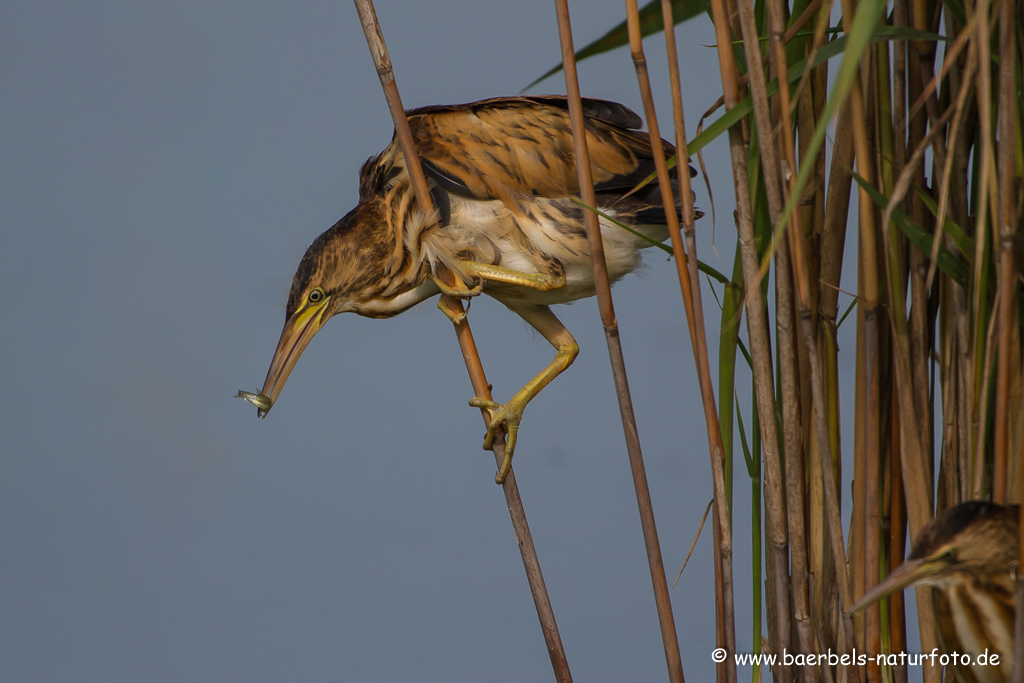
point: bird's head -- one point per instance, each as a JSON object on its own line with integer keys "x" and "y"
{"x": 975, "y": 538}
{"x": 329, "y": 279}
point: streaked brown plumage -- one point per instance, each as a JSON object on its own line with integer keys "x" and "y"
{"x": 968, "y": 554}
{"x": 502, "y": 176}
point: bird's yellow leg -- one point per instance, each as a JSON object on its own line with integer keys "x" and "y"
{"x": 539, "y": 281}
{"x": 508, "y": 415}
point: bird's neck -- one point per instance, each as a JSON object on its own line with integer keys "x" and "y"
{"x": 383, "y": 261}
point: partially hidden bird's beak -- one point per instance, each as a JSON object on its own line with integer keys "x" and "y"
{"x": 296, "y": 335}
{"x": 908, "y": 573}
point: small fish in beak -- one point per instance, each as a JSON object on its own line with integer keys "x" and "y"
{"x": 258, "y": 399}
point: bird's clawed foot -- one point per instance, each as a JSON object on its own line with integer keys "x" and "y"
{"x": 504, "y": 416}
{"x": 454, "y": 315}
{"x": 461, "y": 290}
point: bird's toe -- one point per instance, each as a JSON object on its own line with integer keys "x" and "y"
{"x": 504, "y": 417}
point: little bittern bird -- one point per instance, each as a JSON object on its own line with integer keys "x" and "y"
{"x": 968, "y": 554}
{"x": 502, "y": 177}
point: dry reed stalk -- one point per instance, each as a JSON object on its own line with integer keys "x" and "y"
{"x": 833, "y": 238}
{"x": 826, "y": 599}
{"x": 603, "y": 286}
{"x": 987, "y": 376}
{"x": 876, "y": 442}
{"x": 948, "y": 487}
{"x": 801, "y": 268}
{"x": 1006, "y": 233}
{"x": 920, "y": 67}
{"x": 1015, "y": 437}
{"x": 859, "y": 512}
{"x": 914, "y": 462}
{"x": 789, "y": 377}
{"x": 785, "y": 299}
{"x": 795, "y": 237}
{"x": 1004, "y": 228}
{"x": 946, "y": 177}
{"x": 757, "y": 327}
{"x": 689, "y": 282}
{"x": 919, "y": 332}
{"x": 896, "y": 545}
{"x": 873, "y": 453}
{"x": 988, "y": 205}
{"x": 820, "y": 81}
{"x": 794, "y": 28}
{"x": 958, "y": 336}
{"x": 379, "y": 52}
{"x": 811, "y": 101}
{"x": 867, "y": 428}
{"x": 858, "y": 579}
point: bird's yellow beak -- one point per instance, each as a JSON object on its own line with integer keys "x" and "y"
{"x": 296, "y": 335}
{"x": 907, "y": 574}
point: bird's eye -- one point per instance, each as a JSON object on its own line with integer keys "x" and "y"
{"x": 949, "y": 556}
{"x": 316, "y": 296}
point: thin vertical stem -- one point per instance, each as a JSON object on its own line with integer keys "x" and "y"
{"x": 896, "y": 546}
{"x": 987, "y": 204}
{"x": 1005, "y": 226}
{"x": 382, "y": 61}
{"x": 611, "y": 328}
{"x": 872, "y": 485}
{"x": 689, "y": 283}
{"x": 794, "y": 288}
{"x": 757, "y": 327}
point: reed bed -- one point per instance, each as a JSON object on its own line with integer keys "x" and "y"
{"x": 924, "y": 103}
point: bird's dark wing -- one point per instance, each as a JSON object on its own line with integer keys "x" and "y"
{"x": 497, "y": 148}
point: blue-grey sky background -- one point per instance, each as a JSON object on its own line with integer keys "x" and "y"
{"x": 162, "y": 168}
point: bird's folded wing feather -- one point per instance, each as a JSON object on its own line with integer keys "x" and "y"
{"x": 504, "y": 147}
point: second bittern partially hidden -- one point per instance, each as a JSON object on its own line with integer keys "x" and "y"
{"x": 502, "y": 178}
